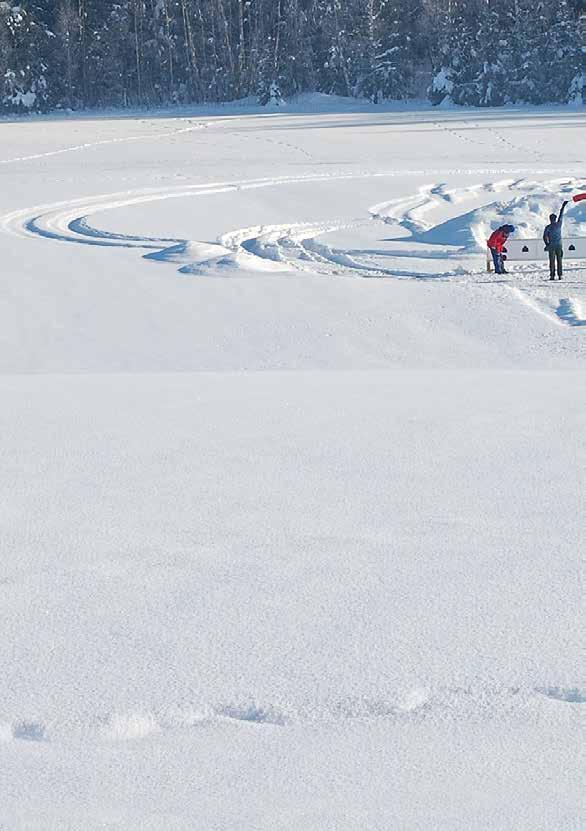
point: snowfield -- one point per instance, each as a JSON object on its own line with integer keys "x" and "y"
{"x": 292, "y": 494}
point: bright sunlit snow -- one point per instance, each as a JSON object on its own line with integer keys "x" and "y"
{"x": 292, "y": 495}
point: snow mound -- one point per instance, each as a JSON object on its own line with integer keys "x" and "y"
{"x": 132, "y": 725}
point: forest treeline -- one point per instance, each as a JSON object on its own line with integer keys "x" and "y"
{"x": 98, "y": 53}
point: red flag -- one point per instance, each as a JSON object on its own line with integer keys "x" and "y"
{"x": 579, "y": 197}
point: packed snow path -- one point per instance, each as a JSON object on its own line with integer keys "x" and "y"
{"x": 292, "y": 495}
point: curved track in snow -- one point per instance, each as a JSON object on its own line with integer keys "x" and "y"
{"x": 439, "y": 233}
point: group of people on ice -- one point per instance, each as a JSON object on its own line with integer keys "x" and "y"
{"x": 552, "y": 238}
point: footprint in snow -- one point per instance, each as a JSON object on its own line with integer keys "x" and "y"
{"x": 572, "y": 695}
{"x": 252, "y": 713}
{"x": 29, "y": 731}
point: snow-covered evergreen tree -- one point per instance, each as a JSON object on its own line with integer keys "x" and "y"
{"x": 285, "y": 62}
{"x": 564, "y": 55}
{"x": 392, "y": 61}
{"x": 26, "y": 49}
{"x": 455, "y": 57}
{"x": 492, "y": 83}
{"x": 79, "y": 53}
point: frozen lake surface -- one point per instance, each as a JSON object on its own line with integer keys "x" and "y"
{"x": 292, "y": 495}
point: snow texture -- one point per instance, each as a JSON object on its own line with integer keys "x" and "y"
{"x": 292, "y": 494}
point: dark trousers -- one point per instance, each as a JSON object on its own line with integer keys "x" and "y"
{"x": 497, "y": 259}
{"x": 556, "y": 254}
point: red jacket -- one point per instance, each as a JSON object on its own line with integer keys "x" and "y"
{"x": 497, "y": 240}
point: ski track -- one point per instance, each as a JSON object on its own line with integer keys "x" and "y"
{"x": 298, "y": 247}
{"x": 457, "y": 704}
{"x": 76, "y": 148}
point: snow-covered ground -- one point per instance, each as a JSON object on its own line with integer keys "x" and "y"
{"x": 292, "y": 494}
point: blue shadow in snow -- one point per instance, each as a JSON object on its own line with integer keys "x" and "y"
{"x": 87, "y": 235}
{"x": 567, "y": 312}
{"x": 572, "y": 695}
{"x": 81, "y": 226}
{"x": 33, "y": 227}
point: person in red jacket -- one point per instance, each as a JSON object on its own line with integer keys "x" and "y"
{"x": 496, "y": 243}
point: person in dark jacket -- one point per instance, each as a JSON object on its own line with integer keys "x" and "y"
{"x": 496, "y": 243}
{"x": 552, "y": 237}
